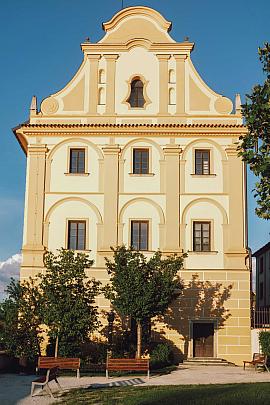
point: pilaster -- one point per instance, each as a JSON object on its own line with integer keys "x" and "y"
{"x": 110, "y": 87}
{"x": 163, "y": 83}
{"x": 172, "y": 183}
{"x": 180, "y": 83}
{"x": 33, "y": 248}
{"x": 111, "y": 186}
{"x": 93, "y": 86}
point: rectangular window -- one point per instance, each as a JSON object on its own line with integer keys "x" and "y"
{"x": 77, "y": 161}
{"x": 139, "y": 235}
{"x": 76, "y": 235}
{"x": 261, "y": 291}
{"x": 201, "y": 236}
{"x": 140, "y": 161}
{"x": 202, "y": 161}
{"x": 261, "y": 265}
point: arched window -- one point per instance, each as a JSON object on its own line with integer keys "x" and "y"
{"x": 101, "y": 76}
{"x": 136, "y": 98}
{"x": 101, "y": 96}
{"x": 171, "y": 76}
{"x": 172, "y": 99}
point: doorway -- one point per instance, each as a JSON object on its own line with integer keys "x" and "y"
{"x": 203, "y": 339}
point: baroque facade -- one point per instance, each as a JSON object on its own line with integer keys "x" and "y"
{"x": 138, "y": 150}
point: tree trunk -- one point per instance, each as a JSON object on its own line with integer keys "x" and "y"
{"x": 56, "y": 347}
{"x": 139, "y": 340}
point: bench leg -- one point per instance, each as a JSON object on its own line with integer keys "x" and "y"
{"x": 32, "y": 389}
{"x": 78, "y": 373}
{"x": 57, "y": 382}
{"x": 107, "y": 374}
{"x": 46, "y": 386}
{"x": 148, "y": 374}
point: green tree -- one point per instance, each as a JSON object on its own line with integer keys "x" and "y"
{"x": 69, "y": 308}
{"x": 141, "y": 288}
{"x": 255, "y": 146}
{"x": 20, "y": 331}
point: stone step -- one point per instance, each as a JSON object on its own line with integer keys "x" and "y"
{"x": 207, "y": 361}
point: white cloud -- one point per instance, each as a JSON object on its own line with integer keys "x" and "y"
{"x": 9, "y": 268}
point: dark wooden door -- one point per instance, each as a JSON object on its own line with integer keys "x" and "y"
{"x": 203, "y": 339}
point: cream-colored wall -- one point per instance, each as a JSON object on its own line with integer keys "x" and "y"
{"x": 204, "y": 211}
{"x": 141, "y": 183}
{"x": 144, "y": 211}
{"x": 63, "y": 181}
{"x": 72, "y": 210}
{"x": 137, "y": 62}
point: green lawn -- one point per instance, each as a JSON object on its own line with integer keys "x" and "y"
{"x": 229, "y": 394}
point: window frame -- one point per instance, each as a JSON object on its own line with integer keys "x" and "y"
{"x": 201, "y": 222}
{"x": 143, "y": 149}
{"x": 140, "y": 221}
{"x": 77, "y": 221}
{"x": 77, "y": 148}
{"x": 146, "y": 98}
{"x": 202, "y": 150}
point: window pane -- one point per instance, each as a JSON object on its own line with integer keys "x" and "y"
{"x": 135, "y": 235}
{"x": 144, "y": 236}
{"x": 140, "y": 161}
{"x": 136, "y": 98}
{"x": 201, "y": 236}
{"x": 77, "y": 161}
{"x": 76, "y": 235}
{"x": 202, "y": 160}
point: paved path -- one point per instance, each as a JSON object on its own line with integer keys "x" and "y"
{"x": 15, "y": 389}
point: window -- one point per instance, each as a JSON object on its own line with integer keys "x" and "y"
{"x": 101, "y": 96}
{"x": 140, "y": 161}
{"x": 172, "y": 99}
{"x": 261, "y": 291}
{"x": 201, "y": 236}
{"x": 76, "y": 235}
{"x": 171, "y": 76}
{"x": 101, "y": 76}
{"x": 77, "y": 161}
{"x": 202, "y": 161}
{"x": 261, "y": 265}
{"x": 139, "y": 235}
{"x": 136, "y": 98}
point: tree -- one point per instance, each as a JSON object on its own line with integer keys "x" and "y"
{"x": 20, "y": 331}
{"x": 141, "y": 288}
{"x": 255, "y": 146}
{"x": 69, "y": 298}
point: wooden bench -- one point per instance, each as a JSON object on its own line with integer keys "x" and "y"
{"x": 127, "y": 365}
{"x": 43, "y": 381}
{"x": 257, "y": 359}
{"x": 60, "y": 362}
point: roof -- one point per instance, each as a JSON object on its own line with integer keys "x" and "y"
{"x": 262, "y": 250}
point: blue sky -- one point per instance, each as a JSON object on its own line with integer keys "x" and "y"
{"x": 40, "y": 52}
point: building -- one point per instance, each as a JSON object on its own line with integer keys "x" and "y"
{"x": 263, "y": 277}
{"x": 137, "y": 149}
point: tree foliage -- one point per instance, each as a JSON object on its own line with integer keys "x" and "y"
{"x": 141, "y": 288}
{"x": 20, "y": 330}
{"x": 255, "y": 146}
{"x": 68, "y": 310}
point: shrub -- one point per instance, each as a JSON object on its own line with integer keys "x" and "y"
{"x": 264, "y": 339}
{"x": 161, "y": 356}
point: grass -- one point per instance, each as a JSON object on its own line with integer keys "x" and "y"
{"x": 222, "y": 394}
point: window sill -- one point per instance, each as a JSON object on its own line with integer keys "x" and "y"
{"x": 197, "y": 252}
{"x": 80, "y": 251}
{"x": 203, "y": 175}
{"x": 142, "y": 174}
{"x": 76, "y": 174}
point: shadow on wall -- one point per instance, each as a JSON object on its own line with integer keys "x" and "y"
{"x": 200, "y": 300}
